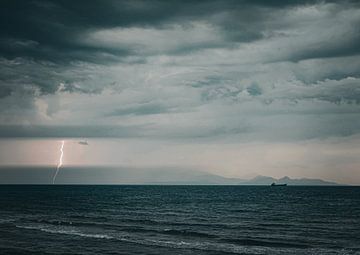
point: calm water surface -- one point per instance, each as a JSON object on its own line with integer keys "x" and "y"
{"x": 179, "y": 220}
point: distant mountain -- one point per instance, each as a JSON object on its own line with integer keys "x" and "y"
{"x": 131, "y": 175}
{"x": 305, "y": 181}
{"x": 111, "y": 175}
{"x": 266, "y": 180}
{"x": 259, "y": 180}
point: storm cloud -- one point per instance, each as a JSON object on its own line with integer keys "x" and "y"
{"x": 243, "y": 70}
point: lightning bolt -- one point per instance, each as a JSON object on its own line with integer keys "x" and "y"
{"x": 60, "y": 161}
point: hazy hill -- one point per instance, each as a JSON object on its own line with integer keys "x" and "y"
{"x": 110, "y": 175}
{"x": 128, "y": 175}
{"x": 266, "y": 180}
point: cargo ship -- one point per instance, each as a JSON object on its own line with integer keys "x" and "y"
{"x": 274, "y": 184}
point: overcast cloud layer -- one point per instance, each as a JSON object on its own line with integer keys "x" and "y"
{"x": 229, "y": 70}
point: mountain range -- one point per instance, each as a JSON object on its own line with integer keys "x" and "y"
{"x": 267, "y": 180}
{"x": 130, "y": 175}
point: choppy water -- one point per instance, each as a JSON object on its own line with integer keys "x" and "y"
{"x": 179, "y": 220}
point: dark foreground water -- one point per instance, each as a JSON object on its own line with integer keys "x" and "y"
{"x": 179, "y": 220}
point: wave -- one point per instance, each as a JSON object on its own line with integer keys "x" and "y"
{"x": 64, "y": 231}
{"x": 132, "y": 224}
{"x": 175, "y": 243}
{"x": 229, "y": 246}
{"x": 187, "y": 233}
{"x": 6, "y": 221}
{"x": 253, "y": 242}
{"x": 126, "y": 228}
{"x": 131, "y": 229}
{"x": 174, "y": 232}
{"x": 73, "y": 228}
{"x": 243, "y": 246}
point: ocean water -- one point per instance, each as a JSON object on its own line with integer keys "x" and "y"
{"x": 179, "y": 220}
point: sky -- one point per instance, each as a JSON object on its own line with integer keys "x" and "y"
{"x": 235, "y": 88}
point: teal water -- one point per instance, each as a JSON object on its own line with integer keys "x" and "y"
{"x": 179, "y": 220}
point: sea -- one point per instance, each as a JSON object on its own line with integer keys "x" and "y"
{"x": 137, "y": 219}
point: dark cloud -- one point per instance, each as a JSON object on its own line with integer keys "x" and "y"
{"x": 254, "y": 89}
{"x": 71, "y": 131}
{"x": 330, "y": 47}
{"x": 47, "y": 29}
{"x": 200, "y": 55}
{"x": 145, "y": 109}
